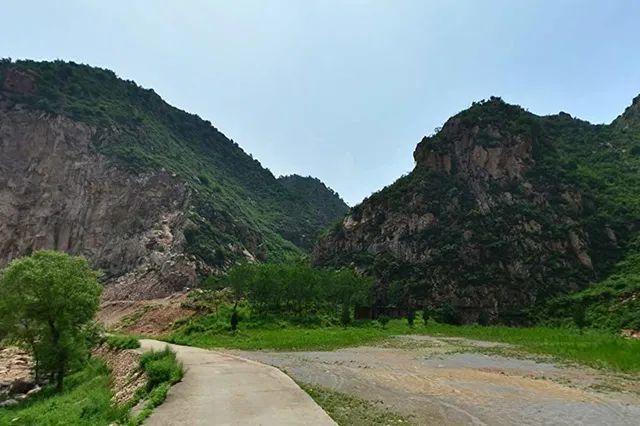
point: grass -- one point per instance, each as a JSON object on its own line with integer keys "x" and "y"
{"x": 594, "y": 348}
{"x": 86, "y": 400}
{"x": 347, "y": 410}
{"x": 122, "y": 342}
{"x": 163, "y": 370}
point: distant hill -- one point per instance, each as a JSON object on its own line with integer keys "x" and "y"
{"x": 503, "y": 210}
{"x": 327, "y": 204}
{"x": 153, "y": 195}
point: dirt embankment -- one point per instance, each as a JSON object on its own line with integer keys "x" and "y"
{"x": 463, "y": 382}
{"x": 125, "y": 372}
{"x": 144, "y": 317}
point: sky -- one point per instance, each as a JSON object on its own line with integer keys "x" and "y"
{"x": 344, "y": 90}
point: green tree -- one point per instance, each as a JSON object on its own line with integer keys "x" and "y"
{"x": 426, "y": 314}
{"x": 383, "y": 320}
{"x": 47, "y": 302}
{"x": 235, "y": 318}
{"x": 411, "y": 317}
{"x": 580, "y": 315}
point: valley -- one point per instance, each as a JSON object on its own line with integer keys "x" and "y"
{"x": 498, "y": 282}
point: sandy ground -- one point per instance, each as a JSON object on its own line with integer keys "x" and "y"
{"x": 463, "y": 382}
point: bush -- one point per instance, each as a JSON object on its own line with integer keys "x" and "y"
{"x": 161, "y": 367}
{"x": 383, "y": 320}
{"x": 447, "y": 314}
{"x": 426, "y": 314}
{"x": 411, "y": 317}
{"x": 122, "y": 342}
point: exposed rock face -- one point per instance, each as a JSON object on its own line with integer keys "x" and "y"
{"x": 472, "y": 226}
{"x": 56, "y": 192}
{"x": 15, "y": 373}
{"x": 99, "y": 166}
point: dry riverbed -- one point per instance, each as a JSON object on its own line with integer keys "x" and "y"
{"x": 454, "y": 381}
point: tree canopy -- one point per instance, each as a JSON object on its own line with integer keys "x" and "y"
{"x": 47, "y": 302}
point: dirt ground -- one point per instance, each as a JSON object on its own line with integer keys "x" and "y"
{"x": 463, "y": 382}
{"x": 143, "y": 317}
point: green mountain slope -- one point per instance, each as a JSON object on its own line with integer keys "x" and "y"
{"x": 503, "y": 210}
{"x": 236, "y": 204}
{"x": 326, "y": 203}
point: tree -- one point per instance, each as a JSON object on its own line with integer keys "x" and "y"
{"x": 348, "y": 288}
{"x": 235, "y": 318}
{"x": 580, "y": 315}
{"x": 426, "y": 314}
{"x": 411, "y": 317}
{"x": 383, "y": 320}
{"x": 47, "y": 301}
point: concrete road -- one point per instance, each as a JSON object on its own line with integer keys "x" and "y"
{"x": 220, "y": 389}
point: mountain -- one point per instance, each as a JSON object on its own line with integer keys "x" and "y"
{"x": 152, "y": 195}
{"x": 326, "y": 203}
{"x": 503, "y": 210}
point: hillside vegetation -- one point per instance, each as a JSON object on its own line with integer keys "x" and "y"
{"x": 235, "y": 201}
{"x": 504, "y": 210}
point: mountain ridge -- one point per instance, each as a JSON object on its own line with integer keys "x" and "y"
{"x": 503, "y": 209}
{"x": 234, "y": 210}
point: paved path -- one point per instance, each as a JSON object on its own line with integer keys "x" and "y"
{"x": 220, "y": 389}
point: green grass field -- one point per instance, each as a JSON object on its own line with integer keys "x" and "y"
{"x": 593, "y": 348}
{"x": 86, "y": 400}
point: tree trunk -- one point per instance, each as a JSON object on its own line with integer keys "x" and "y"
{"x": 60, "y": 378}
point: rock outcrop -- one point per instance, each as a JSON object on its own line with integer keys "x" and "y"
{"x": 153, "y": 196}
{"x": 57, "y": 192}
{"x": 487, "y": 222}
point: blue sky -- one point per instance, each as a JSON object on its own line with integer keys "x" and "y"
{"x": 344, "y": 90}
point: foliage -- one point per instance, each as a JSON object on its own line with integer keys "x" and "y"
{"x": 447, "y": 314}
{"x": 236, "y": 202}
{"x": 507, "y": 237}
{"x": 411, "y": 317}
{"x": 235, "y": 319}
{"x": 326, "y": 202}
{"x": 611, "y": 304}
{"x": 122, "y": 342}
{"x": 426, "y": 314}
{"x": 383, "y": 320}
{"x": 163, "y": 370}
{"x": 85, "y": 401}
{"x": 46, "y": 301}
{"x": 297, "y": 288}
{"x": 161, "y": 366}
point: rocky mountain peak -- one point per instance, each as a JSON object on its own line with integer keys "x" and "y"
{"x": 490, "y": 140}
{"x": 630, "y": 118}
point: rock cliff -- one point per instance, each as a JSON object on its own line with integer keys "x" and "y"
{"x": 57, "y": 192}
{"x": 497, "y": 215}
{"x": 153, "y": 196}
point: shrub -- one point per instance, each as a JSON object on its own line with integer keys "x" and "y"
{"x": 447, "y": 314}
{"x": 122, "y": 342}
{"x": 235, "y": 319}
{"x": 161, "y": 367}
{"x": 383, "y": 320}
{"x": 426, "y": 314}
{"x": 411, "y": 316}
